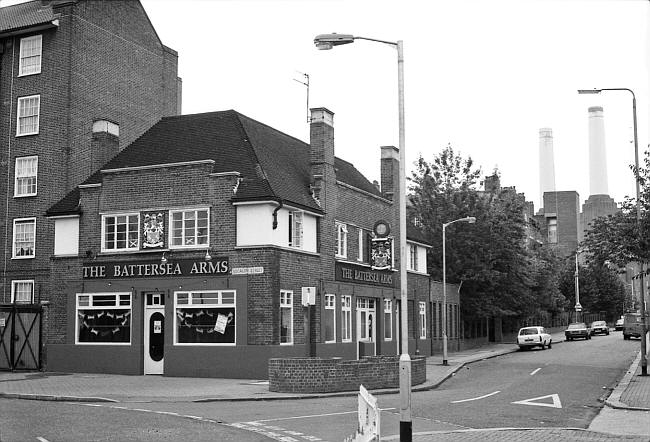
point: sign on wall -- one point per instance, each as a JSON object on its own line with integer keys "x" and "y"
{"x": 156, "y": 269}
{"x": 381, "y": 253}
{"x": 153, "y": 230}
{"x": 363, "y": 275}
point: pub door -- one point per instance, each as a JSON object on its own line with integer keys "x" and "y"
{"x": 154, "y": 333}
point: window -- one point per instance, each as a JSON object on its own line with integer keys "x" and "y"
{"x": 25, "y": 176}
{"x": 190, "y": 228}
{"x": 360, "y": 255}
{"x": 204, "y": 317}
{"x": 30, "y": 55}
{"x": 413, "y": 257}
{"x": 329, "y": 318}
{"x": 103, "y": 318}
{"x": 22, "y": 292}
{"x": 552, "y": 230}
{"x": 365, "y": 313}
{"x": 341, "y": 240}
{"x": 346, "y": 318}
{"x": 388, "y": 320}
{"x": 423, "y": 320}
{"x": 28, "y": 115}
{"x": 295, "y": 229}
{"x": 120, "y": 232}
{"x": 286, "y": 317}
{"x": 24, "y": 237}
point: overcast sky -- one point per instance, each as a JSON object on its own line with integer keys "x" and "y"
{"x": 483, "y": 76}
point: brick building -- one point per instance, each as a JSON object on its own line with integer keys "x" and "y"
{"x": 237, "y": 243}
{"x": 79, "y": 81}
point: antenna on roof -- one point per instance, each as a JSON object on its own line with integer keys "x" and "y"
{"x": 306, "y": 83}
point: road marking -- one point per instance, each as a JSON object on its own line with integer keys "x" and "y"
{"x": 41, "y": 439}
{"x": 535, "y": 371}
{"x": 476, "y": 398}
{"x": 556, "y": 401}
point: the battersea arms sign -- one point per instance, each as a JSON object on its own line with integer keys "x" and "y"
{"x": 364, "y": 275}
{"x": 153, "y": 269}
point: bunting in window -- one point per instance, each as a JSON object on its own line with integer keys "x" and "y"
{"x": 153, "y": 231}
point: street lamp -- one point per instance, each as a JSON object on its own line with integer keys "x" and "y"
{"x": 468, "y": 219}
{"x": 328, "y": 41}
{"x": 578, "y": 307}
{"x": 644, "y": 325}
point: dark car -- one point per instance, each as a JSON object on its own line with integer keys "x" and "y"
{"x": 598, "y": 327}
{"x": 619, "y": 324}
{"x": 577, "y": 330}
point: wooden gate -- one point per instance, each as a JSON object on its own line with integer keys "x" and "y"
{"x": 20, "y": 337}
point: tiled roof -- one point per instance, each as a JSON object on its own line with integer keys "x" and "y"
{"x": 348, "y": 174}
{"x": 25, "y": 15}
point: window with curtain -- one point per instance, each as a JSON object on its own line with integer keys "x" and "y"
{"x": 24, "y": 238}
{"x": 22, "y": 292}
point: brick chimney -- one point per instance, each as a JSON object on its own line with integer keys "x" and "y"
{"x": 389, "y": 171}
{"x": 105, "y": 143}
{"x": 321, "y": 139}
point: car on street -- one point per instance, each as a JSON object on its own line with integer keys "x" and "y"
{"x": 599, "y": 327}
{"x": 632, "y": 326}
{"x": 619, "y": 324}
{"x": 535, "y": 336}
{"x": 577, "y": 330}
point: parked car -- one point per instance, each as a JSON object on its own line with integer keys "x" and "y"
{"x": 632, "y": 325}
{"x": 598, "y": 327}
{"x": 536, "y": 336}
{"x": 619, "y": 324}
{"x": 577, "y": 330}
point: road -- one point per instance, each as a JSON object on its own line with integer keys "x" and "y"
{"x": 558, "y": 387}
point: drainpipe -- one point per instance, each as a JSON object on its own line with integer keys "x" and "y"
{"x": 275, "y": 214}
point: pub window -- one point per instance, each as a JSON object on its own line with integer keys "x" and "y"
{"x": 22, "y": 292}
{"x": 295, "y": 229}
{"x": 346, "y": 318}
{"x": 423, "y": 320}
{"x": 120, "y": 232}
{"x": 286, "y": 317}
{"x": 103, "y": 318}
{"x": 24, "y": 238}
{"x": 388, "y": 320}
{"x": 25, "y": 176}
{"x": 341, "y": 240}
{"x": 30, "y": 55}
{"x": 360, "y": 255}
{"x": 190, "y": 228}
{"x": 329, "y": 318}
{"x": 204, "y": 317}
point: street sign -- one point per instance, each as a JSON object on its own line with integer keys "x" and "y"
{"x": 368, "y": 414}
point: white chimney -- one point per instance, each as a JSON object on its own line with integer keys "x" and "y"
{"x": 546, "y": 163}
{"x": 597, "y": 153}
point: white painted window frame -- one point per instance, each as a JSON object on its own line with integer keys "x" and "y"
{"x": 360, "y": 255}
{"x": 104, "y": 249}
{"x": 21, "y": 66}
{"x": 330, "y": 304}
{"x": 286, "y": 302}
{"x": 341, "y": 240}
{"x": 183, "y": 237}
{"x": 118, "y": 305}
{"x": 21, "y": 173}
{"x": 423, "y": 319}
{"x": 346, "y": 318}
{"x": 24, "y": 221}
{"x": 296, "y": 230}
{"x": 20, "y": 107}
{"x": 14, "y": 287}
{"x": 388, "y": 310}
{"x": 219, "y": 304}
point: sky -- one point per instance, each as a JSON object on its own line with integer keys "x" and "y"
{"x": 481, "y": 76}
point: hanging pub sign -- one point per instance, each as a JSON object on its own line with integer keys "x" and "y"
{"x": 381, "y": 253}
{"x": 151, "y": 269}
{"x": 153, "y": 230}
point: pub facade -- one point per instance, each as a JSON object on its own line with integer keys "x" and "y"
{"x": 214, "y": 242}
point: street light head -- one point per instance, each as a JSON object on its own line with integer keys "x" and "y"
{"x": 328, "y": 41}
{"x": 471, "y": 219}
{"x": 589, "y": 91}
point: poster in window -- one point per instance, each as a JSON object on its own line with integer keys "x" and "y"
{"x": 153, "y": 230}
{"x": 220, "y": 326}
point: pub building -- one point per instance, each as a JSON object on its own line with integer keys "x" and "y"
{"x": 214, "y": 242}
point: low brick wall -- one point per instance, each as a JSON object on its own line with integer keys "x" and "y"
{"x": 317, "y": 375}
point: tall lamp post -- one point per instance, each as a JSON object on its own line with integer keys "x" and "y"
{"x": 644, "y": 325}
{"x": 578, "y": 307}
{"x": 468, "y": 219}
{"x": 328, "y": 41}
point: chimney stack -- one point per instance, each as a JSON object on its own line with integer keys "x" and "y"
{"x": 597, "y": 153}
{"x": 321, "y": 140}
{"x": 389, "y": 171}
{"x": 546, "y": 163}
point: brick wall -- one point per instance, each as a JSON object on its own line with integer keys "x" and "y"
{"x": 316, "y": 375}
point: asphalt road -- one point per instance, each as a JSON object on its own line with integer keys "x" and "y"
{"x": 558, "y": 387}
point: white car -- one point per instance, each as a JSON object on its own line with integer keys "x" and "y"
{"x": 536, "y": 336}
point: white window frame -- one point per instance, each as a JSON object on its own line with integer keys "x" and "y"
{"x": 183, "y": 238}
{"x": 14, "y": 290}
{"x": 123, "y": 301}
{"x": 341, "y": 240}
{"x": 360, "y": 255}
{"x": 190, "y": 302}
{"x": 25, "y": 174}
{"x": 330, "y": 304}
{"x": 552, "y": 230}
{"x": 388, "y": 310}
{"x": 296, "y": 230}
{"x": 346, "y": 318}
{"x": 423, "y": 319}
{"x": 286, "y": 302}
{"x": 24, "y": 221}
{"x": 413, "y": 257}
{"x": 22, "y": 68}
{"x": 37, "y": 115}
{"x": 104, "y": 232}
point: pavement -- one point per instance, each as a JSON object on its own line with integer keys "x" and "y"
{"x": 625, "y": 415}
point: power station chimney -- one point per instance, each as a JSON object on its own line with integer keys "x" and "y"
{"x": 597, "y": 154}
{"x": 546, "y": 163}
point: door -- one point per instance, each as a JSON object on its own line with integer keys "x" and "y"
{"x": 154, "y": 333}
{"x": 20, "y": 337}
{"x": 366, "y": 327}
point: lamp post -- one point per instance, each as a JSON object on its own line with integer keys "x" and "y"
{"x": 578, "y": 307}
{"x": 328, "y": 41}
{"x": 468, "y": 219}
{"x": 644, "y": 325}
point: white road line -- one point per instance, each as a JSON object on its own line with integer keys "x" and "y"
{"x": 535, "y": 371}
{"x": 476, "y": 398}
{"x": 41, "y": 439}
{"x": 313, "y": 415}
